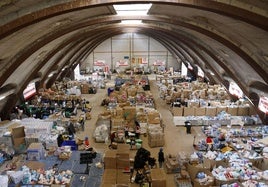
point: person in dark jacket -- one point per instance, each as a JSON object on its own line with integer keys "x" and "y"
{"x": 71, "y": 130}
{"x": 161, "y": 157}
{"x": 188, "y": 126}
{"x": 59, "y": 140}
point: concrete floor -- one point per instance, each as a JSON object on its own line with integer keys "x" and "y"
{"x": 176, "y": 139}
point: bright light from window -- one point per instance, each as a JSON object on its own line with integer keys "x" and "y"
{"x": 50, "y": 75}
{"x": 132, "y": 9}
{"x": 2, "y": 97}
{"x": 131, "y": 22}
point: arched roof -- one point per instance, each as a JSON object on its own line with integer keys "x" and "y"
{"x": 38, "y": 37}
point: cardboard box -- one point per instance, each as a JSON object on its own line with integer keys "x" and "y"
{"x": 35, "y": 165}
{"x": 194, "y": 169}
{"x": 123, "y": 149}
{"x": 110, "y": 159}
{"x": 177, "y": 111}
{"x": 107, "y": 184}
{"x": 122, "y": 178}
{"x": 220, "y": 109}
{"x": 187, "y": 111}
{"x": 252, "y": 111}
{"x": 211, "y": 111}
{"x": 109, "y": 176}
{"x": 232, "y": 110}
{"x": 158, "y": 178}
{"x": 122, "y": 162}
{"x": 201, "y": 183}
{"x": 243, "y": 111}
{"x": 18, "y": 132}
{"x": 129, "y": 109}
{"x": 19, "y": 141}
{"x": 200, "y": 111}
{"x": 35, "y": 151}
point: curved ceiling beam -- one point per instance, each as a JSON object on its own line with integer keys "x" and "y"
{"x": 228, "y": 43}
{"x": 114, "y": 20}
{"x": 192, "y": 50}
{"x": 213, "y": 6}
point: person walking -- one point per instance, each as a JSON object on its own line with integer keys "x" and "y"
{"x": 161, "y": 157}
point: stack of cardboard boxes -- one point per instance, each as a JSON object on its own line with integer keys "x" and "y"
{"x": 18, "y": 136}
{"x": 155, "y": 136}
{"x": 84, "y": 88}
{"x": 117, "y": 166}
{"x": 158, "y": 178}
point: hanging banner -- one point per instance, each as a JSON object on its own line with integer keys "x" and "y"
{"x": 200, "y": 72}
{"x": 159, "y": 63}
{"x": 29, "y": 91}
{"x": 263, "y": 104}
{"x": 235, "y": 90}
{"x": 122, "y": 63}
{"x": 144, "y": 61}
{"x": 106, "y": 69}
{"x": 190, "y": 66}
{"x": 99, "y": 63}
{"x": 133, "y": 60}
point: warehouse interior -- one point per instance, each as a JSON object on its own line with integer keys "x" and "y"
{"x": 220, "y": 42}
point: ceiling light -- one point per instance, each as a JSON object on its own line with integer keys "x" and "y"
{"x": 132, "y": 9}
{"x": 50, "y": 75}
{"x": 131, "y": 22}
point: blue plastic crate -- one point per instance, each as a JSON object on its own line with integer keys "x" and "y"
{"x": 71, "y": 143}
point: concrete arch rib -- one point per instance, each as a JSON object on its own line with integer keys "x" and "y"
{"x": 57, "y": 9}
{"x": 57, "y": 34}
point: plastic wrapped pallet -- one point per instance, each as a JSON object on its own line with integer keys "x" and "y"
{"x": 4, "y": 180}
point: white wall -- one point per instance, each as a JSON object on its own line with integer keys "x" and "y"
{"x": 130, "y": 45}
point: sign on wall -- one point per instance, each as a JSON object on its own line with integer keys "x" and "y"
{"x": 99, "y": 63}
{"x": 235, "y": 90}
{"x": 29, "y": 91}
{"x": 263, "y": 104}
{"x": 122, "y": 63}
{"x": 159, "y": 63}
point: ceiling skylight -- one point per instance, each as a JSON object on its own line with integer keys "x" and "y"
{"x": 132, "y": 9}
{"x": 131, "y": 22}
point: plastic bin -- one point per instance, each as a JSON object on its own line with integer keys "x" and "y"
{"x": 71, "y": 143}
{"x": 110, "y": 90}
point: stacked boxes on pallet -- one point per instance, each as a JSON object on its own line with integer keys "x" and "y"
{"x": 155, "y": 136}
{"x": 35, "y": 151}
{"x": 116, "y": 162}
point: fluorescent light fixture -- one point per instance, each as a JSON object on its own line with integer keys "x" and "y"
{"x": 131, "y": 22}
{"x": 132, "y": 9}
